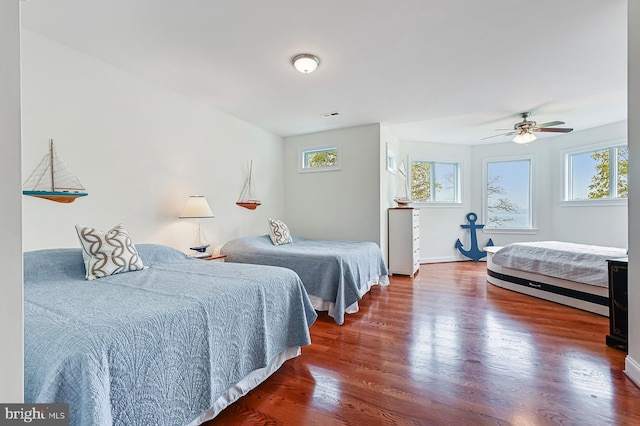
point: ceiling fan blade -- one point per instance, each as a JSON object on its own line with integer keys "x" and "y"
{"x": 501, "y": 134}
{"x": 556, "y": 130}
{"x": 551, "y": 123}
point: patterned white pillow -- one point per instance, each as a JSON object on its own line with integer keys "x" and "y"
{"x": 108, "y": 253}
{"x": 279, "y": 232}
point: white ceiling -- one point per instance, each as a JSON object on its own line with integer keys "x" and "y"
{"x": 446, "y": 71}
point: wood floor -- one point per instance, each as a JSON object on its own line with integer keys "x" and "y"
{"x": 447, "y": 348}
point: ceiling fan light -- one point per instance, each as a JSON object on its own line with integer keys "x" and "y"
{"x": 524, "y": 137}
{"x": 305, "y": 63}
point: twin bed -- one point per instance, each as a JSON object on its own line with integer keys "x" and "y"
{"x": 571, "y": 274}
{"x": 336, "y": 274}
{"x": 172, "y": 344}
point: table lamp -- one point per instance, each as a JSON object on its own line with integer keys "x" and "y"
{"x": 197, "y": 208}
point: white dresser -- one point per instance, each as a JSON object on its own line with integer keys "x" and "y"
{"x": 404, "y": 241}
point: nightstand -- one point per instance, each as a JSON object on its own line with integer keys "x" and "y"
{"x": 618, "y": 303}
{"x": 215, "y": 257}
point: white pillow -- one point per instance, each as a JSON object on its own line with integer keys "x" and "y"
{"x": 279, "y": 232}
{"x": 108, "y": 253}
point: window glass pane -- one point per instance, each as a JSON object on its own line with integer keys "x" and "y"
{"x": 584, "y": 183}
{"x": 421, "y": 181}
{"x": 600, "y": 180}
{"x": 508, "y": 194}
{"x": 434, "y": 182}
{"x": 320, "y": 158}
{"x": 446, "y": 178}
{"x": 623, "y": 162}
{"x": 599, "y": 174}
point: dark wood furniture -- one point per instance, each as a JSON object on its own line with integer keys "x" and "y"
{"x": 618, "y": 307}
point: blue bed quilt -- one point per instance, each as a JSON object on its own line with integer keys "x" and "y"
{"x": 157, "y": 346}
{"x": 335, "y": 271}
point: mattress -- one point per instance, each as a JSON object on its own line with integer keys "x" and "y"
{"x": 574, "y": 262}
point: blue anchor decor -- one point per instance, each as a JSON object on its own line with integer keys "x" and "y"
{"x": 475, "y": 253}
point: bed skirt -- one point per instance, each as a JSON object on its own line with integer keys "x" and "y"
{"x": 571, "y": 293}
{"x": 328, "y": 306}
{"x": 245, "y": 385}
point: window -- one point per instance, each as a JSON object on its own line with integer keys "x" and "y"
{"x": 590, "y": 176}
{"x": 507, "y": 201}
{"x": 319, "y": 159}
{"x": 434, "y": 182}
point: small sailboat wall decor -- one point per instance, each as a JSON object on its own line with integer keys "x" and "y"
{"x": 402, "y": 197}
{"x": 52, "y": 180}
{"x": 247, "y": 197}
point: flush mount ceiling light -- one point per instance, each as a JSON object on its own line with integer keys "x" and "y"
{"x": 524, "y": 137}
{"x": 305, "y": 62}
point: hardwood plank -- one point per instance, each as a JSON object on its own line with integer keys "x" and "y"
{"x": 448, "y": 348}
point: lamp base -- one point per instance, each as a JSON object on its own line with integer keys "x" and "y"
{"x": 200, "y": 249}
{"x": 200, "y": 255}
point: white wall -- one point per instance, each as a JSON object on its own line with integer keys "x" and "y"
{"x": 632, "y": 363}
{"x": 388, "y": 184}
{"x": 336, "y": 205}
{"x": 140, "y": 150}
{"x": 554, "y": 220}
{"x": 11, "y": 316}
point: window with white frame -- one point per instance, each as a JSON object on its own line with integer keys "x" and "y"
{"x": 435, "y": 182}
{"x": 508, "y": 194}
{"x": 597, "y": 174}
{"x": 319, "y": 159}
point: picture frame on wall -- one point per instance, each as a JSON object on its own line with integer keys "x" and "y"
{"x": 392, "y": 160}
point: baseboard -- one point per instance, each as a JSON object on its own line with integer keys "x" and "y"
{"x": 447, "y": 259}
{"x": 632, "y": 370}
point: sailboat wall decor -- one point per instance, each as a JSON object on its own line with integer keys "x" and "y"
{"x": 247, "y": 197}
{"x": 402, "y": 197}
{"x": 52, "y": 180}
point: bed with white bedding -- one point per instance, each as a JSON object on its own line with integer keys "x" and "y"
{"x": 170, "y": 345}
{"x": 572, "y": 274}
{"x": 336, "y": 274}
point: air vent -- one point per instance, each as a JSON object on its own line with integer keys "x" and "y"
{"x": 330, "y": 114}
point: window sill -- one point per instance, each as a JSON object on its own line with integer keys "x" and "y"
{"x": 594, "y": 203}
{"x": 423, "y": 205}
{"x": 522, "y": 231}
{"x": 320, "y": 169}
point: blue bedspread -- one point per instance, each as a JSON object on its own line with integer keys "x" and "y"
{"x": 157, "y": 346}
{"x": 335, "y": 271}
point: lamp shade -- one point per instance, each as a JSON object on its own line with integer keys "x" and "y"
{"x": 196, "y": 207}
{"x": 524, "y": 137}
{"x": 305, "y": 63}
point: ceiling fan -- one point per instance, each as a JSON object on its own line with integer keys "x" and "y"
{"x": 525, "y": 129}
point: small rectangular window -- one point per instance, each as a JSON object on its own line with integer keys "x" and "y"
{"x": 591, "y": 176}
{"x": 319, "y": 159}
{"x": 434, "y": 182}
{"x": 508, "y": 195}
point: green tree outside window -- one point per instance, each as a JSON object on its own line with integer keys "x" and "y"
{"x": 320, "y": 158}
{"x": 604, "y": 174}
